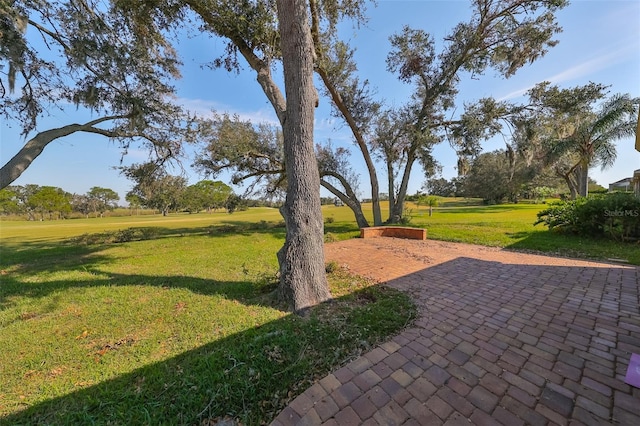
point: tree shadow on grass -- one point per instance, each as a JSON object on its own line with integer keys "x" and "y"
{"x": 82, "y": 250}
{"x": 217, "y": 379}
{"x": 86, "y": 254}
{"x": 47, "y": 256}
{"x": 242, "y": 291}
{"x": 140, "y": 233}
{"x": 212, "y": 379}
{"x": 341, "y": 228}
{"x": 250, "y": 375}
{"x": 16, "y": 251}
{"x": 33, "y": 270}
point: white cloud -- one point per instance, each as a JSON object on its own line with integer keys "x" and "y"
{"x": 205, "y": 107}
{"x": 600, "y": 62}
{"x": 604, "y": 60}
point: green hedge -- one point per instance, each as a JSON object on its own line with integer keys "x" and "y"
{"x": 615, "y": 216}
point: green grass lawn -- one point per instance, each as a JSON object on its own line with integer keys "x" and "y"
{"x": 486, "y": 225}
{"x": 506, "y": 225}
{"x": 176, "y": 329}
{"x": 511, "y": 226}
{"x": 170, "y": 320}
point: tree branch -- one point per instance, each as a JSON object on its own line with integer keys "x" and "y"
{"x": 34, "y": 147}
{"x": 260, "y": 66}
{"x": 256, "y": 174}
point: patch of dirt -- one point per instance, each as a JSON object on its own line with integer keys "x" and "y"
{"x": 385, "y": 258}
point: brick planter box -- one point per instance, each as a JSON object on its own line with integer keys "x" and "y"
{"x": 394, "y": 231}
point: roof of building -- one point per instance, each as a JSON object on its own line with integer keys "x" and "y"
{"x": 622, "y": 181}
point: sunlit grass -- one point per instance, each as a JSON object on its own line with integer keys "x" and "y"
{"x": 486, "y": 225}
{"x": 506, "y": 225}
{"x": 512, "y": 226}
{"x": 175, "y": 330}
{"x": 58, "y": 229}
{"x": 179, "y": 325}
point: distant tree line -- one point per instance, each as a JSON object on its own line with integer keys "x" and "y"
{"x": 555, "y": 139}
{"x": 498, "y": 177}
{"x": 168, "y": 194}
{"x": 48, "y": 202}
{"x": 495, "y": 177}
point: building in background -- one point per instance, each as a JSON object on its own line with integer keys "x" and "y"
{"x": 623, "y": 185}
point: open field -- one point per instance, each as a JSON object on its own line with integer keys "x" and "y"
{"x": 460, "y": 220}
{"x": 151, "y": 319}
{"x": 506, "y": 225}
{"x": 177, "y": 329}
{"x": 59, "y": 229}
{"x": 511, "y": 226}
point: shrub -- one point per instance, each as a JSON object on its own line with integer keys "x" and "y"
{"x": 331, "y": 267}
{"x": 330, "y": 237}
{"x": 407, "y": 215}
{"x": 615, "y": 216}
{"x": 118, "y": 236}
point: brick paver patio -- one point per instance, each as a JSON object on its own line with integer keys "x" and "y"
{"x": 501, "y": 338}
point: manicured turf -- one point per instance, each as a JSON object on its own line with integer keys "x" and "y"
{"x": 511, "y": 226}
{"x": 506, "y": 225}
{"x": 177, "y": 329}
{"x": 152, "y": 320}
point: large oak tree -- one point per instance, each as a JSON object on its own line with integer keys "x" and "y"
{"x": 302, "y": 280}
{"x": 501, "y": 34}
{"x": 252, "y": 31}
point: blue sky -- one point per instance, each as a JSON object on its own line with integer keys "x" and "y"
{"x": 600, "y": 43}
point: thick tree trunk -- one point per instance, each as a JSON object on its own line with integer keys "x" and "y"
{"x": 348, "y": 116}
{"x": 303, "y": 281}
{"x": 348, "y": 197}
{"x": 391, "y": 190}
{"x": 375, "y": 201}
{"x": 571, "y": 183}
{"x": 366, "y": 155}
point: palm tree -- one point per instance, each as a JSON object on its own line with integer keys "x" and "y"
{"x": 592, "y": 139}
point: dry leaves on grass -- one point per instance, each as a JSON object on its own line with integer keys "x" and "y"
{"x": 179, "y": 307}
{"x": 127, "y": 341}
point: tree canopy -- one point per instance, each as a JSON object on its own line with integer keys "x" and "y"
{"x": 254, "y": 154}
{"x": 571, "y": 130}
{"x": 501, "y": 34}
{"x": 92, "y": 55}
{"x": 579, "y": 134}
{"x": 102, "y": 199}
{"x": 251, "y": 152}
{"x": 155, "y": 188}
{"x": 206, "y": 195}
